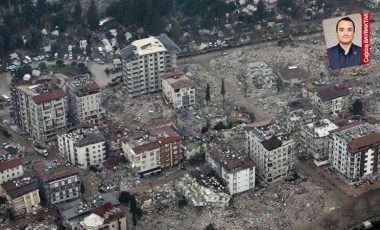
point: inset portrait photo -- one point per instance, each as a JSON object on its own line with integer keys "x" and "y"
{"x": 347, "y": 40}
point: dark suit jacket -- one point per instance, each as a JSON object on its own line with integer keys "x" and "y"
{"x": 338, "y": 59}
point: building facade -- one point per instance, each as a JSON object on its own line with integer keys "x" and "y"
{"x": 82, "y": 146}
{"x": 272, "y": 150}
{"x": 237, "y": 172}
{"x": 143, "y": 153}
{"x": 354, "y": 152}
{"x": 315, "y": 138}
{"x": 41, "y": 109}
{"x": 178, "y": 90}
{"x": 145, "y": 61}
{"x": 22, "y": 195}
{"x": 170, "y": 146}
{"x": 83, "y": 95}
{"x": 58, "y": 183}
{"x": 328, "y": 99}
{"x": 10, "y": 169}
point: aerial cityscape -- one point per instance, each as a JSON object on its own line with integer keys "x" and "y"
{"x": 190, "y": 114}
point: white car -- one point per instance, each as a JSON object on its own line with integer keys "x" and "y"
{"x": 78, "y": 58}
{"x": 65, "y": 56}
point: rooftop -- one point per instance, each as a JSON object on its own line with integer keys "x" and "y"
{"x": 320, "y": 128}
{"x": 178, "y": 80}
{"x": 10, "y": 164}
{"x": 191, "y": 117}
{"x": 149, "y": 45}
{"x": 358, "y": 134}
{"x": 42, "y": 91}
{"x": 83, "y": 85}
{"x": 270, "y": 134}
{"x": 332, "y": 91}
{"x": 49, "y": 174}
{"x": 20, "y": 186}
{"x": 83, "y": 135}
{"x": 231, "y": 162}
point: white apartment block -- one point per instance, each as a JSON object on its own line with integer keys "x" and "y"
{"x": 178, "y": 90}
{"x": 272, "y": 150}
{"x": 41, "y": 109}
{"x": 315, "y": 138}
{"x": 144, "y": 154}
{"x": 145, "y": 61}
{"x": 237, "y": 172}
{"x": 354, "y": 152}
{"x": 83, "y": 95}
{"x": 22, "y": 195}
{"x": 58, "y": 183}
{"x": 10, "y": 169}
{"x": 82, "y": 146}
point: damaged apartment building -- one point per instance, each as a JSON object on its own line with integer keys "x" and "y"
{"x": 145, "y": 61}
{"x": 83, "y": 95}
{"x": 331, "y": 99}
{"x": 40, "y": 109}
{"x": 159, "y": 148}
{"x": 82, "y": 146}
{"x": 315, "y": 139}
{"x": 178, "y": 90}
{"x": 238, "y": 172}
{"x": 272, "y": 150}
{"x": 354, "y": 152}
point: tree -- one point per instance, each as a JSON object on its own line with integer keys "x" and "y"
{"x": 42, "y": 66}
{"x": 208, "y": 96}
{"x": 82, "y": 188}
{"x": 73, "y": 64}
{"x": 77, "y": 14}
{"x": 261, "y": 10}
{"x": 92, "y": 167}
{"x": 223, "y": 91}
{"x": 220, "y": 126}
{"x": 92, "y": 16}
{"x": 125, "y": 197}
{"x": 182, "y": 202}
{"x": 210, "y": 226}
{"x": 59, "y": 62}
{"x": 357, "y": 107}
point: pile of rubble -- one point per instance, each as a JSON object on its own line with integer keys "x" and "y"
{"x": 277, "y": 207}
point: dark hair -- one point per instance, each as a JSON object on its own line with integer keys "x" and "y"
{"x": 345, "y": 19}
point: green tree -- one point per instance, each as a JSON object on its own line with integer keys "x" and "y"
{"x": 125, "y": 197}
{"x": 223, "y": 91}
{"x": 283, "y": 4}
{"x": 92, "y": 16}
{"x": 59, "y": 62}
{"x": 261, "y": 10}
{"x": 208, "y": 96}
{"x": 357, "y": 107}
{"x": 19, "y": 74}
{"x": 210, "y": 226}
{"x": 82, "y": 188}
{"x": 77, "y": 14}
{"x": 42, "y": 66}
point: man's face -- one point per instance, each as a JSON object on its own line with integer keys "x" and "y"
{"x": 345, "y": 32}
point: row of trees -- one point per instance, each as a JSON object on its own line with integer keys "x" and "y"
{"x": 23, "y": 18}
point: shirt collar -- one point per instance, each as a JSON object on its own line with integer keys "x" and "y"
{"x": 343, "y": 51}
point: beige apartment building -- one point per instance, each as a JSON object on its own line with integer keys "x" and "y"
{"x": 145, "y": 61}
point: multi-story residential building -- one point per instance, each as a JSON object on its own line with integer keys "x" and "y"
{"x": 328, "y": 99}
{"x": 178, "y": 90}
{"x": 58, "y": 183}
{"x": 170, "y": 146}
{"x": 41, "y": 109}
{"x": 105, "y": 217}
{"x": 82, "y": 146}
{"x": 145, "y": 61}
{"x": 272, "y": 150}
{"x": 113, "y": 135}
{"x": 315, "y": 139}
{"x": 354, "y": 152}
{"x": 10, "y": 169}
{"x": 191, "y": 120}
{"x": 299, "y": 117}
{"x": 83, "y": 95}
{"x": 237, "y": 172}
{"x": 22, "y": 195}
{"x": 144, "y": 154}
